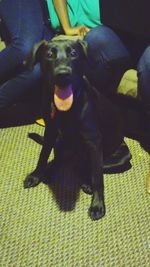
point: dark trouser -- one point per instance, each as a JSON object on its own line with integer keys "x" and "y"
{"x": 112, "y": 53}
{"x": 21, "y": 27}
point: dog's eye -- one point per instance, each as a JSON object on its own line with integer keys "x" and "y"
{"x": 51, "y": 53}
{"x": 72, "y": 52}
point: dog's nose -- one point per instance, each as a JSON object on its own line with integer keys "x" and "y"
{"x": 63, "y": 78}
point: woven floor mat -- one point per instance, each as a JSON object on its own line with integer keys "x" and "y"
{"x": 36, "y": 231}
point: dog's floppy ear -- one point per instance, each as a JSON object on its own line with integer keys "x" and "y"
{"x": 83, "y": 45}
{"x": 35, "y": 54}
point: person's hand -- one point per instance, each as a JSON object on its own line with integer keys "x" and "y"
{"x": 78, "y": 30}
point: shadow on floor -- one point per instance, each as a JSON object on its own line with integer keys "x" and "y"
{"x": 64, "y": 180}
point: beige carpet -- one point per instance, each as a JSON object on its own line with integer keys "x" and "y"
{"x": 35, "y": 232}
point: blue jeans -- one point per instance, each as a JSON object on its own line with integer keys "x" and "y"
{"x": 111, "y": 54}
{"x": 21, "y": 27}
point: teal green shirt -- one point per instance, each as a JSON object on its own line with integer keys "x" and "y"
{"x": 81, "y": 12}
{"x": 90, "y": 13}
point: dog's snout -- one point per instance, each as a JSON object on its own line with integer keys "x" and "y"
{"x": 62, "y": 73}
{"x": 63, "y": 78}
{"x": 62, "y": 70}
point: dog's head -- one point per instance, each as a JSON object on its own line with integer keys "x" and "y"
{"x": 61, "y": 63}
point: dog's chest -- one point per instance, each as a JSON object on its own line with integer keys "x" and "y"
{"x": 78, "y": 123}
{"x": 67, "y": 124}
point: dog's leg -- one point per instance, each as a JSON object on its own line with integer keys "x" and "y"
{"x": 36, "y": 137}
{"x": 34, "y": 178}
{"x": 97, "y": 208}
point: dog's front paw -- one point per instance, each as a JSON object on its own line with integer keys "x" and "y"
{"x": 31, "y": 181}
{"x": 97, "y": 212}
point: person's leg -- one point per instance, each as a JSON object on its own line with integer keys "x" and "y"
{"x": 108, "y": 59}
{"x": 21, "y": 88}
{"x": 143, "y": 72}
{"x": 25, "y": 27}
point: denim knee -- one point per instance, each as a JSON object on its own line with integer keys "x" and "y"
{"x": 23, "y": 87}
{"x": 22, "y": 49}
{"x": 108, "y": 58}
{"x": 105, "y": 47}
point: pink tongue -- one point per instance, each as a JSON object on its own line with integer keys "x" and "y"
{"x": 63, "y": 97}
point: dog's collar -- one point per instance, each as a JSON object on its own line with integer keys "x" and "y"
{"x": 53, "y": 111}
{"x": 77, "y": 94}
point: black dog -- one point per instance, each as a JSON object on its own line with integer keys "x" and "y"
{"x": 76, "y": 114}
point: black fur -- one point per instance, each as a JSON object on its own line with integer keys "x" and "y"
{"x": 90, "y": 127}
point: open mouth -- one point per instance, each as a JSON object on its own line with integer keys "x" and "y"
{"x": 63, "y": 97}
